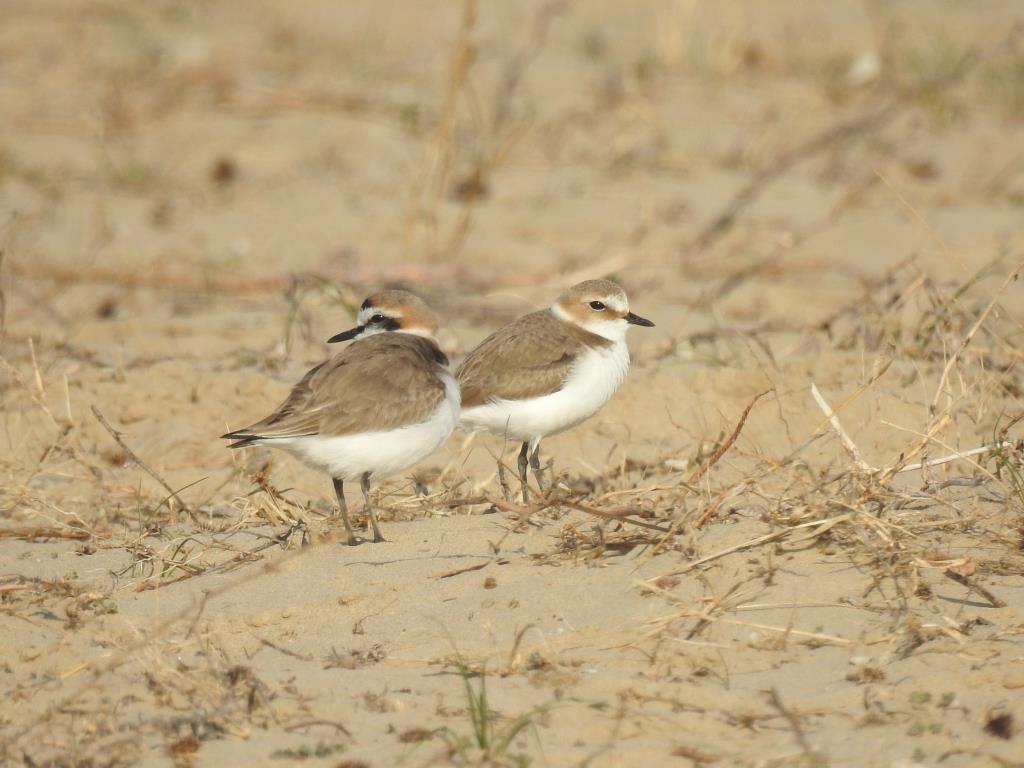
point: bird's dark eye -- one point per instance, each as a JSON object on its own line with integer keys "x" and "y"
{"x": 596, "y": 305}
{"x": 378, "y": 318}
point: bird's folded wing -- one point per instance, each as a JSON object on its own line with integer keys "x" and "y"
{"x": 370, "y": 386}
{"x": 529, "y": 358}
{"x": 293, "y": 417}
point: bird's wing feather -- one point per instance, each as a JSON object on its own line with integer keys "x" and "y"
{"x": 527, "y": 358}
{"x": 375, "y": 384}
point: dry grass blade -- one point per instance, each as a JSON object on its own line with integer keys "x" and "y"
{"x": 820, "y": 527}
{"x": 724, "y": 447}
{"x": 879, "y": 369}
{"x": 837, "y": 427}
{"x": 923, "y": 442}
{"x": 119, "y": 439}
{"x": 955, "y": 358}
{"x": 811, "y": 756}
{"x": 958, "y": 456}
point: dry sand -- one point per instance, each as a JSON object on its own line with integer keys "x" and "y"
{"x": 193, "y": 194}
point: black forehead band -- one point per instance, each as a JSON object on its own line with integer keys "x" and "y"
{"x": 366, "y": 304}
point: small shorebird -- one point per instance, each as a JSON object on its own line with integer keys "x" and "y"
{"x": 548, "y": 370}
{"x": 377, "y": 407}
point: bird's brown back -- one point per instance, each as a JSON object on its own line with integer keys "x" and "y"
{"x": 378, "y": 383}
{"x": 529, "y": 357}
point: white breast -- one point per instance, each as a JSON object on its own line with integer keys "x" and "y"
{"x": 592, "y": 381}
{"x": 380, "y": 453}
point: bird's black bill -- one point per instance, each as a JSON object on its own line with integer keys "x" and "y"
{"x": 637, "y": 320}
{"x": 351, "y": 333}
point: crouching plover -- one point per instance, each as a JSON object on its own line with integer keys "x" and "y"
{"x": 549, "y": 370}
{"x": 378, "y": 407}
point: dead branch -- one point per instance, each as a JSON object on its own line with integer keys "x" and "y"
{"x": 281, "y": 649}
{"x": 621, "y": 514}
{"x": 973, "y": 585}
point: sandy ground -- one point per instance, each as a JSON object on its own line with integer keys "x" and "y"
{"x": 194, "y": 194}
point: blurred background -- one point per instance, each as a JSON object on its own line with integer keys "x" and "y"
{"x": 222, "y": 150}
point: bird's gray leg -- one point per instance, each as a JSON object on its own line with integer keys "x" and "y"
{"x": 503, "y": 481}
{"x": 535, "y": 465}
{"x": 339, "y": 490}
{"x": 523, "y": 462}
{"x": 364, "y": 482}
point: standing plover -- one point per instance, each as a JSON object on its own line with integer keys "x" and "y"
{"x": 549, "y": 370}
{"x": 377, "y": 407}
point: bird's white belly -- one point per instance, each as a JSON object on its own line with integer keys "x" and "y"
{"x": 591, "y": 383}
{"x": 349, "y": 457}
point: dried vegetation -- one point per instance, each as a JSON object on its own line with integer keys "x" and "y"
{"x": 849, "y": 504}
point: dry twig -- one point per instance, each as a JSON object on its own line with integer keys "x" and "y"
{"x": 724, "y": 447}
{"x": 837, "y": 427}
{"x": 119, "y": 438}
{"x": 812, "y": 757}
{"x": 620, "y": 514}
{"x": 45, "y": 533}
{"x": 972, "y": 584}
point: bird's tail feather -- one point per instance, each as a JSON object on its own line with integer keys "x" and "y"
{"x": 241, "y": 437}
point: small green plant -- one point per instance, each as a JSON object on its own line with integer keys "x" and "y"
{"x": 490, "y": 739}
{"x": 918, "y": 698}
{"x": 1003, "y": 79}
{"x": 923, "y": 724}
{"x": 593, "y": 45}
{"x": 409, "y": 117}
